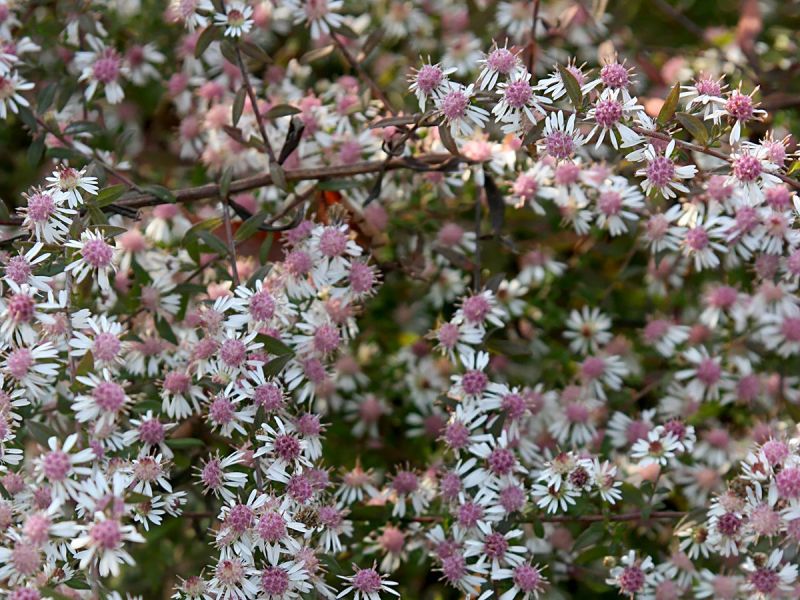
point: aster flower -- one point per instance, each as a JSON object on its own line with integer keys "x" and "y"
{"x": 560, "y": 139}
{"x": 20, "y": 268}
{"x": 366, "y": 584}
{"x": 94, "y": 255}
{"x": 460, "y": 115}
{"x": 21, "y": 313}
{"x": 237, "y": 18}
{"x": 59, "y": 466}
{"x": 67, "y": 181}
{"x": 518, "y": 101}
{"x": 33, "y": 368}
{"x": 320, "y": 15}
{"x": 217, "y": 475}
{"x": 11, "y": 84}
{"x": 587, "y": 330}
{"x": 633, "y": 575}
{"x": 45, "y": 218}
{"x": 659, "y": 447}
{"x": 429, "y": 82}
{"x": 101, "y": 65}
{"x": 740, "y": 108}
{"x": 104, "y": 403}
{"x": 662, "y": 174}
{"x": 553, "y": 84}
{"x": 498, "y": 62}
{"x": 617, "y": 203}
{"x": 705, "y": 93}
{"x": 607, "y": 114}
{"x": 704, "y": 240}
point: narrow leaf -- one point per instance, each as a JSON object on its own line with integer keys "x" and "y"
{"x": 238, "y": 105}
{"x": 694, "y": 126}
{"x": 447, "y": 140}
{"x": 572, "y": 86}
{"x": 281, "y": 110}
{"x": 250, "y": 226}
{"x": 670, "y": 104}
{"x": 497, "y": 205}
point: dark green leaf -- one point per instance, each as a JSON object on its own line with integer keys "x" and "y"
{"x": 249, "y": 227}
{"x": 83, "y": 127}
{"x": 160, "y": 192}
{"x": 238, "y": 105}
{"x": 276, "y": 365}
{"x": 39, "y": 431}
{"x": 165, "y": 331}
{"x": 228, "y": 50}
{"x": 263, "y": 252}
{"x": 694, "y": 126}
{"x": 590, "y": 536}
{"x": 45, "y": 97}
{"x": 254, "y": 51}
{"x": 572, "y": 86}
{"x": 497, "y": 205}
{"x": 36, "y": 151}
{"x": 109, "y": 195}
{"x": 225, "y": 182}
{"x": 185, "y": 443}
{"x": 281, "y": 110}
{"x": 211, "y": 33}
{"x": 273, "y": 345}
{"x": 213, "y": 242}
{"x": 670, "y": 104}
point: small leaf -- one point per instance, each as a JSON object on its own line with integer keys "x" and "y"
{"x": 447, "y": 140}
{"x": 670, "y": 104}
{"x": 228, "y": 50}
{"x": 497, "y": 205}
{"x": 36, "y": 151}
{"x": 250, "y": 226}
{"x": 316, "y": 54}
{"x": 210, "y": 34}
{"x": 39, "y": 431}
{"x": 109, "y": 195}
{"x": 276, "y": 365}
{"x": 278, "y": 176}
{"x": 394, "y": 121}
{"x": 273, "y": 345}
{"x": 590, "y": 536}
{"x": 96, "y": 215}
{"x": 263, "y": 252}
{"x": 694, "y": 126}
{"x": 185, "y": 443}
{"x": 572, "y": 86}
{"x": 165, "y": 331}
{"x": 225, "y": 182}
{"x": 160, "y": 192}
{"x": 238, "y": 105}
{"x": 293, "y": 137}
{"x": 254, "y": 51}
{"x": 45, "y": 97}
{"x": 213, "y": 242}
{"x": 346, "y": 31}
{"x": 281, "y": 110}
{"x": 83, "y": 127}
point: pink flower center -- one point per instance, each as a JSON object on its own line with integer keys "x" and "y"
{"x": 233, "y": 352}
{"x": 106, "y": 534}
{"x": 660, "y": 171}
{"x": 176, "y": 382}
{"x": 615, "y": 76}
{"x": 106, "y": 346}
{"x": 429, "y": 77}
{"x": 405, "y": 482}
{"x": 697, "y": 238}
{"x": 740, "y": 106}
{"x": 151, "y": 431}
{"x": 107, "y": 66}
{"x": 40, "y": 207}
{"x": 109, "y": 396}
{"x": 18, "y": 269}
{"x": 268, "y": 396}
{"x": 97, "y": 253}
{"x": 367, "y": 581}
{"x": 518, "y": 93}
{"x": 607, "y": 112}
{"x": 474, "y": 382}
{"x": 454, "y": 105}
{"x": 631, "y": 580}
{"x": 326, "y": 339}
{"x": 495, "y": 545}
{"x": 746, "y": 167}
{"x": 271, "y": 527}
{"x": 707, "y": 86}
{"x": 240, "y": 518}
{"x": 333, "y": 242}
{"x": 501, "y": 60}
{"x": 222, "y": 410}
{"x": 501, "y": 461}
{"x": 610, "y": 202}
{"x": 765, "y": 580}
{"x": 287, "y": 447}
{"x": 559, "y": 144}
{"x": 275, "y": 581}
{"x": 19, "y": 362}
{"x": 21, "y": 308}
{"x": 527, "y": 578}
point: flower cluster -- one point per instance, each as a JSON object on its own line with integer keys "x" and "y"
{"x": 288, "y": 311}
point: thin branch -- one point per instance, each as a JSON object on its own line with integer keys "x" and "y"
{"x": 254, "y": 104}
{"x": 226, "y": 217}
